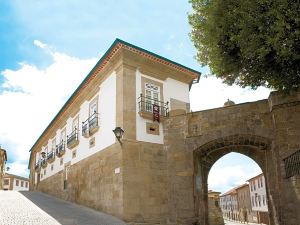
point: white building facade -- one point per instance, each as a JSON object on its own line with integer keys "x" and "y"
{"x": 15, "y": 183}
{"x": 79, "y": 158}
{"x": 229, "y": 205}
{"x": 258, "y": 196}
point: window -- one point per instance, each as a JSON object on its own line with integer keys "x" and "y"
{"x": 17, "y": 182}
{"x": 54, "y": 144}
{"x": 52, "y": 167}
{"x": 261, "y": 182}
{"x": 6, "y": 182}
{"x": 152, "y": 95}
{"x": 46, "y": 151}
{"x": 26, "y": 184}
{"x": 63, "y": 135}
{"x": 75, "y": 124}
{"x": 61, "y": 161}
{"x": 72, "y": 138}
{"x": 44, "y": 171}
{"x": 93, "y": 106}
{"x": 264, "y": 200}
{"x": 92, "y": 121}
{"x": 22, "y": 183}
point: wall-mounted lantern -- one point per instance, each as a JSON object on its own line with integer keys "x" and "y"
{"x": 118, "y": 131}
{"x": 43, "y": 155}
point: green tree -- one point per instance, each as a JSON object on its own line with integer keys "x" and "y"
{"x": 249, "y": 42}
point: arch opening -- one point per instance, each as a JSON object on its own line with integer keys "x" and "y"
{"x": 206, "y": 156}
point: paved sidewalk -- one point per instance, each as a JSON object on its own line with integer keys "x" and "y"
{"x": 229, "y": 222}
{"x": 67, "y": 213}
{"x": 15, "y": 209}
{"x": 35, "y": 208}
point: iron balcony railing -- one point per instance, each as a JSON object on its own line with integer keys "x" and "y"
{"x": 146, "y": 105}
{"x": 85, "y": 129}
{"x": 50, "y": 155}
{"x": 91, "y": 124}
{"x": 73, "y": 137}
{"x": 60, "y": 148}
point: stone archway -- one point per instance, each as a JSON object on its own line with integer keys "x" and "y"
{"x": 205, "y": 156}
{"x": 268, "y": 131}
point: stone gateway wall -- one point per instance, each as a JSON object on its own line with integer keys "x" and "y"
{"x": 215, "y": 216}
{"x": 267, "y": 131}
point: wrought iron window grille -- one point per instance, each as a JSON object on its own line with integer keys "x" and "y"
{"x": 292, "y": 164}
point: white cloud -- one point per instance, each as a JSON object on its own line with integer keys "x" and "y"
{"x": 18, "y": 168}
{"x": 225, "y": 177}
{"x": 39, "y": 44}
{"x": 32, "y": 97}
{"x": 210, "y": 92}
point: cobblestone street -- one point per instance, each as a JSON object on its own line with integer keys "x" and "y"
{"x": 17, "y": 209}
{"x": 228, "y": 222}
{"x": 34, "y": 208}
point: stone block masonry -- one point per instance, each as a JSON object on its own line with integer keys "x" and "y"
{"x": 91, "y": 182}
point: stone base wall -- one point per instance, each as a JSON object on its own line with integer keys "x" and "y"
{"x": 137, "y": 194}
{"x": 215, "y": 216}
{"x": 145, "y": 183}
{"x": 91, "y": 182}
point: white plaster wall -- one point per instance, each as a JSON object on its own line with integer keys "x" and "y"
{"x": 104, "y": 137}
{"x": 171, "y": 89}
{"x": 176, "y": 90}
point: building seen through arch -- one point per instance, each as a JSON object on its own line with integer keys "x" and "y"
{"x": 247, "y": 202}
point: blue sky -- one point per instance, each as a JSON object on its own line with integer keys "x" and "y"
{"x": 46, "y": 44}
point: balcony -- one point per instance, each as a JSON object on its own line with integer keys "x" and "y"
{"x": 91, "y": 125}
{"x": 37, "y": 167}
{"x": 60, "y": 149}
{"x": 72, "y": 139}
{"x": 44, "y": 163}
{"x": 51, "y": 157}
{"x": 146, "y": 106}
